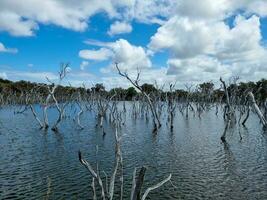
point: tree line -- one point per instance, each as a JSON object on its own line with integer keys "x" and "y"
{"x": 205, "y": 91}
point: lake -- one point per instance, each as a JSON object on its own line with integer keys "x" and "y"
{"x": 202, "y": 166}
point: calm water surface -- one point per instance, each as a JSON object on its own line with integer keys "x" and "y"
{"x": 201, "y": 166}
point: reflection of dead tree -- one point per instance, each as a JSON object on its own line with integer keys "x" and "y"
{"x": 225, "y": 130}
{"x": 108, "y": 191}
{"x": 188, "y": 104}
{"x": 247, "y": 115}
{"x": 135, "y": 83}
{"x": 79, "y": 103}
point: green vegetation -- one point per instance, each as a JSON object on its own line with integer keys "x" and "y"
{"x": 205, "y": 91}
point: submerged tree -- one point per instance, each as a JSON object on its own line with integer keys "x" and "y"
{"x": 108, "y": 191}
{"x": 152, "y": 106}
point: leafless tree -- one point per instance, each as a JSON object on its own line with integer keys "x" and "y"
{"x": 136, "y": 84}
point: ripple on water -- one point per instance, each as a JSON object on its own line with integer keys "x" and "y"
{"x": 201, "y": 166}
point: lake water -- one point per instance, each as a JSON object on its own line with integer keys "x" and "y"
{"x": 202, "y": 167}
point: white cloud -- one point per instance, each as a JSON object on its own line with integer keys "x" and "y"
{"x": 7, "y": 50}
{"x": 207, "y": 49}
{"x": 189, "y": 37}
{"x": 128, "y": 56}
{"x": 21, "y": 18}
{"x": 119, "y": 28}
{"x": 204, "y": 9}
{"x": 30, "y": 75}
{"x": 198, "y": 69}
{"x": 258, "y": 7}
{"x": 15, "y": 24}
{"x": 183, "y": 36}
{"x": 202, "y": 45}
{"x": 241, "y": 43}
{"x": 219, "y": 9}
{"x": 3, "y": 75}
{"x": 150, "y": 11}
{"x": 98, "y": 55}
{"x": 84, "y": 64}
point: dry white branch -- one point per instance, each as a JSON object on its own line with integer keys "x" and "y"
{"x": 156, "y": 186}
{"x": 257, "y": 109}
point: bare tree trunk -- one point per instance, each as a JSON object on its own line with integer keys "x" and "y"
{"x": 257, "y": 109}
{"x": 156, "y": 186}
{"x": 139, "y": 183}
{"x": 230, "y": 113}
{"x": 135, "y": 83}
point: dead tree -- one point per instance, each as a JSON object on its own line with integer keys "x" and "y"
{"x": 33, "y": 93}
{"x": 257, "y": 110}
{"x": 229, "y": 111}
{"x": 188, "y": 104}
{"x": 118, "y": 156}
{"x": 135, "y": 83}
{"x": 171, "y": 105}
{"x": 108, "y": 191}
{"x": 60, "y": 109}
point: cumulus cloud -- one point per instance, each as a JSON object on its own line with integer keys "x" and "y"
{"x": 21, "y": 18}
{"x": 119, "y": 28}
{"x": 184, "y": 37}
{"x": 121, "y": 51}
{"x": 204, "y": 9}
{"x": 15, "y": 24}
{"x": 240, "y": 43}
{"x": 203, "y": 49}
{"x": 198, "y": 69}
{"x": 98, "y": 55}
{"x": 202, "y": 42}
{"x": 7, "y": 50}
{"x": 188, "y": 38}
{"x": 129, "y": 56}
{"x": 219, "y": 9}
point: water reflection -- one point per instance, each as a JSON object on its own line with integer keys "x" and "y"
{"x": 202, "y": 166}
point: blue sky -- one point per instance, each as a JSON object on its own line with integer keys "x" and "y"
{"x": 163, "y": 38}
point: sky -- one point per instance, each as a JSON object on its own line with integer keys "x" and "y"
{"x": 168, "y": 41}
